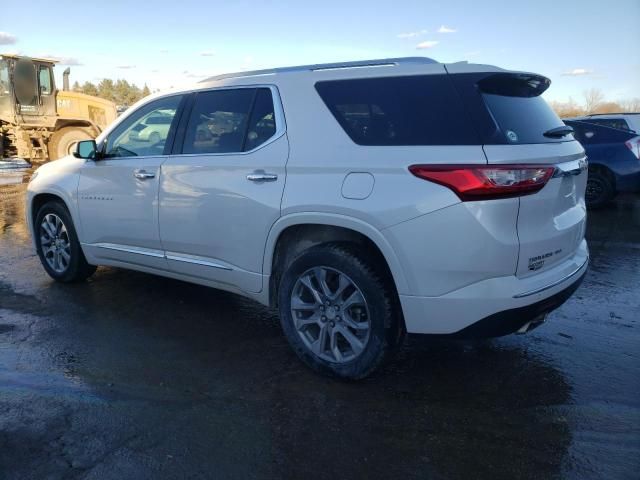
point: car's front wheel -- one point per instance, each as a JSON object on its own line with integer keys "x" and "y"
{"x": 338, "y": 313}
{"x": 58, "y": 246}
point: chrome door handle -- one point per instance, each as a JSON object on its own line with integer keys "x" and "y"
{"x": 143, "y": 174}
{"x": 261, "y": 176}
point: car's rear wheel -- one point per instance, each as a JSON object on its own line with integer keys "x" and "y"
{"x": 337, "y": 312}
{"x": 600, "y": 189}
{"x": 58, "y": 246}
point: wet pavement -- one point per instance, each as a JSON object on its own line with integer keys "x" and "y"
{"x": 135, "y": 376}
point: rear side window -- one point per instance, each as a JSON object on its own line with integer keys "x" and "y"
{"x": 588, "y": 133}
{"x": 230, "y": 121}
{"x": 508, "y": 108}
{"x": 412, "y": 110}
{"x": 610, "y": 122}
{"x": 262, "y": 124}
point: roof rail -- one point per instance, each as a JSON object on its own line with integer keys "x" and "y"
{"x": 326, "y": 66}
{"x": 612, "y": 113}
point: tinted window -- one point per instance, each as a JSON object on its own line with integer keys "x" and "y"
{"x": 610, "y": 122}
{"x": 145, "y": 131}
{"x": 416, "y": 110}
{"x": 523, "y": 119}
{"x": 587, "y": 133}
{"x": 508, "y": 108}
{"x": 218, "y": 121}
{"x": 262, "y": 124}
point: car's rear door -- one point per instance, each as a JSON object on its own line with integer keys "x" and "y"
{"x": 221, "y": 192}
{"x": 517, "y": 128}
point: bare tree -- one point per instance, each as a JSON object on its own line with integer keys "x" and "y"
{"x": 592, "y": 99}
{"x": 567, "y": 109}
{"x": 631, "y": 105}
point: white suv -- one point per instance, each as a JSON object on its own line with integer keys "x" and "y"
{"x": 364, "y": 200}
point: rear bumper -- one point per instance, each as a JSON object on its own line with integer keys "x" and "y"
{"x": 510, "y": 321}
{"x": 496, "y": 306}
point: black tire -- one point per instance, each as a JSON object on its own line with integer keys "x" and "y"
{"x": 600, "y": 189}
{"x": 386, "y": 327}
{"x": 62, "y": 142}
{"x": 77, "y": 269}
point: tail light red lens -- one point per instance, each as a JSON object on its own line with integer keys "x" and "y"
{"x": 634, "y": 146}
{"x": 485, "y": 182}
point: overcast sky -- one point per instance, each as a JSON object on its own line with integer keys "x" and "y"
{"x": 578, "y": 44}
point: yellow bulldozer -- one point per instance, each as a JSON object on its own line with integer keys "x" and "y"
{"x": 38, "y": 122}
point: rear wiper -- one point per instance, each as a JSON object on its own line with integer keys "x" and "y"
{"x": 558, "y": 132}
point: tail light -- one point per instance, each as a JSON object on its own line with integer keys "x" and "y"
{"x": 485, "y": 182}
{"x": 634, "y": 146}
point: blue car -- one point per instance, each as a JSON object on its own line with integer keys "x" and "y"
{"x": 614, "y": 160}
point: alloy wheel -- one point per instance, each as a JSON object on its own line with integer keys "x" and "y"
{"x": 330, "y": 314}
{"x": 55, "y": 243}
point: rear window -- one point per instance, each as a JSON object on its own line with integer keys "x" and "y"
{"x": 508, "y": 108}
{"x": 412, "y": 110}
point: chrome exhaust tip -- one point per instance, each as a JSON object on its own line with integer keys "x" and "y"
{"x": 535, "y": 323}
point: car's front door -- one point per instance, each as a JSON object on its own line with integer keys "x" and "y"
{"x": 118, "y": 194}
{"x": 221, "y": 194}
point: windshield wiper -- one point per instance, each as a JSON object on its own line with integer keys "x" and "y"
{"x": 558, "y": 132}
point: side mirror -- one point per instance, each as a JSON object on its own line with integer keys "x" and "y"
{"x": 86, "y": 149}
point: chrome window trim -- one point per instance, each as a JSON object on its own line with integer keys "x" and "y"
{"x": 554, "y": 284}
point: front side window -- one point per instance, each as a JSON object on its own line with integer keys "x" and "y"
{"x": 44, "y": 79}
{"x": 145, "y": 131}
{"x": 229, "y": 121}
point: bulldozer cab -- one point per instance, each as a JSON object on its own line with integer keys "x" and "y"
{"x": 27, "y": 89}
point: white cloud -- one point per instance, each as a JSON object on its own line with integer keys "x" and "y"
{"x": 68, "y": 61}
{"x": 7, "y": 39}
{"x": 164, "y": 50}
{"x": 207, "y": 53}
{"x": 412, "y": 34}
{"x": 444, "y": 29}
{"x": 576, "y": 72}
{"x": 189, "y": 74}
{"x": 427, "y": 44}
{"x": 125, "y": 67}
